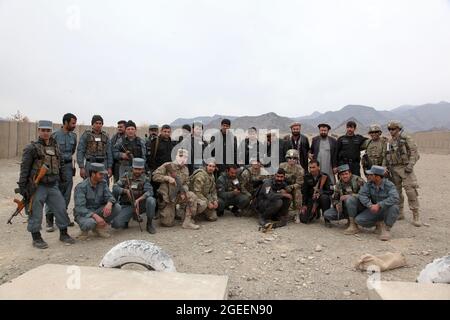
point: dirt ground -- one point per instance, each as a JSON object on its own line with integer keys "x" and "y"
{"x": 280, "y": 265}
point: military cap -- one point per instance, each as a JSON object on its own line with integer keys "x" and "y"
{"x": 182, "y": 152}
{"x": 138, "y": 163}
{"x": 343, "y": 168}
{"x": 394, "y": 124}
{"x": 210, "y": 160}
{"x": 153, "y": 127}
{"x": 374, "y": 128}
{"x": 295, "y": 124}
{"x": 45, "y": 124}
{"x": 376, "y": 170}
{"x": 292, "y": 153}
{"x": 98, "y": 167}
{"x": 324, "y": 125}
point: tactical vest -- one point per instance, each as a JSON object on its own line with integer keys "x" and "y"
{"x": 398, "y": 152}
{"x": 133, "y": 146}
{"x": 349, "y": 188}
{"x": 96, "y": 144}
{"x": 48, "y": 155}
{"x": 137, "y": 187}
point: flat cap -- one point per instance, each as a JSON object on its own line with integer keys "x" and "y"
{"x": 45, "y": 124}
{"x": 324, "y": 125}
{"x": 98, "y": 167}
{"x": 153, "y": 127}
{"x": 138, "y": 163}
{"x": 376, "y": 170}
{"x": 343, "y": 168}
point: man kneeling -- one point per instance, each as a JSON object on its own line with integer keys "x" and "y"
{"x": 137, "y": 183}
{"x": 345, "y": 196}
{"x": 273, "y": 200}
{"x": 380, "y": 198}
{"x": 95, "y": 206}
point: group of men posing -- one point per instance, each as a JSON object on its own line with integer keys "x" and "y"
{"x": 170, "y": 180}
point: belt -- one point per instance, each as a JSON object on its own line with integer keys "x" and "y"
{"x": 68, "y": 161}
{"x": 96, "y": 159}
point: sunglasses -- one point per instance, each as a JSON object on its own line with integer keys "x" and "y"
{"x": 392, "y": 129}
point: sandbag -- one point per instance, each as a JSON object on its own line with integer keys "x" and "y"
{"x": 386, "y": 261}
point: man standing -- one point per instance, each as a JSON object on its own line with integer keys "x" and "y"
{"x": 401, "y": 156}
{"x": 160, "y": 148}
{"x": 137, "y": 183}
{"x": 119, "y": 134}
{"x": 316, "y": 193}
{"x": 273, "y": 201}
{"x": 94, "y": 147}
{"x": 153, "y": 132}
{"x": 173, "y": 178}
{"x": 345, "y": 196}
{"x": 232, "y": 192}
{"x": 67, "y": 143}
{"x": 43, "y": 161}
{"x": 95, "y": 206}
{"x": 249, "y": 147}
{"x": 203, "y": 185}
{"x": 298, "y": 142}
{"x": 380, "y": 199}
{"x": 324, "y": 150}
{"x": 375, "y": 149}
{"x": 224, "y": 147}
{"x": 349, "y": 148}
{"x": 294, "y": 180}
{"x": 128, "y": 147}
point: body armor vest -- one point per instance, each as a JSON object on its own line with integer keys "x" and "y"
{"x": 48, "y": 155}
{"x": 137, "y": 187}
{"x": 398, "y": 152}
{"x": 96, "y": 144}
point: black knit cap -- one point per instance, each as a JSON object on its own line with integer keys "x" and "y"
{"x": 130, "y": 124}
{"x": 226, "y": 121}
{"x": 96, "y": 118}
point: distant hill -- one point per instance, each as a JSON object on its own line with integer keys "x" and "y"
{"x": 414, "y": 118}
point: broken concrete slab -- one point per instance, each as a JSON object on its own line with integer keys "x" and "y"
{"x": 397, "y": 290}
{"x": 64, "y": 282}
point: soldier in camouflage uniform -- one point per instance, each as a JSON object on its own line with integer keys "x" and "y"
{"x": 375, "y": 154}
{"x": 173, "y": 178}
{"x": 135, "y": 181}
{"x": 67, "y": 142}
{"x": 203, "y": 184}
{"x": 43, "y": 153}
{"x": 119, "y": 134}
{"x": 253, "y": 176}
{"x": 94, "y": 146}
{"x": 345, "y": 196}
{"x": 294, "y": 179}
{"x": 232, "y": 192}
{"x": 401, "y": 156}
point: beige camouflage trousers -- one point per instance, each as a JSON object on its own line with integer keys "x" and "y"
{"x": 202, "y": 207}
{"x": 408, "y": 181}
{"x": 168, "y": 208}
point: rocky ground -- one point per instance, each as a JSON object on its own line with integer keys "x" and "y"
{"x": 295, "y": 262}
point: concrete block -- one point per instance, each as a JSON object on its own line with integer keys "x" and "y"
{"x": 12, "y": 141}
{"x": 4, "y": 139}
{"x": 396, "y": 290}
{"x": 61, "y": 282}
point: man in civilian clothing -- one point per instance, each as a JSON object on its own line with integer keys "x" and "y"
{"x": 324, "y": 150}
{"x": 298, "y": 142}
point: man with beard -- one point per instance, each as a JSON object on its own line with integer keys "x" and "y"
{"x": 298, "y": 142}
{"x": 160, "y": 148}
{"x": 119, "y": 134}
{"x": 273, "y": 201}
{"x": 349, "y": 148}
{"x": 67, "y": 141}
{"x": 231, "y": 192}
{"x": 324, "y": 150}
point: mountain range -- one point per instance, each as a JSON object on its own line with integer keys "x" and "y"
{"x": 427, "y": 117}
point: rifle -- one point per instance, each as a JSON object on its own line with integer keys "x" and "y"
{"x": 317, "y": 191}
{"x": 21, "y": 204}
{"x": 133, "y": 202}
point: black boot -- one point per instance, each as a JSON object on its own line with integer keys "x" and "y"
{"x": 150, "y": 228}
{"x": 38, "y": 242}
{"x": 261, "y": 219}
{"x": 64, "y": 237}
{"x": 49, "y": 219}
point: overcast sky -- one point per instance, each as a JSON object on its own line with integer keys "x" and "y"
{"x": 154, "y": 61}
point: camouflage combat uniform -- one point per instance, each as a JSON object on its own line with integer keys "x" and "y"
{"x": 204, "y": 186}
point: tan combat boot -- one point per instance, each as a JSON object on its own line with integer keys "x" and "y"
{"x": 84, "y": 235}
{"x": 416, "y": 221}
{"x": 101, "y": 232}
{"x": 297, "y": 218}
{"x": 352, "y": 228}
{"x": 188, "y": 223}
{"x": 385, "y": 235}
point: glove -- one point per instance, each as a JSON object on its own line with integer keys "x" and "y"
{"x": 408, "y": 169}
